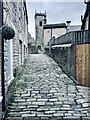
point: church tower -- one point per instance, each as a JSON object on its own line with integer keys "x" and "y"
{"x": 40, "y": 20}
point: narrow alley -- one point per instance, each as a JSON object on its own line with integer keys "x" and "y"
{"x": 44, "y": 92}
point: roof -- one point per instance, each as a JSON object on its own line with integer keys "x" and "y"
{"x": 51, "y": 26}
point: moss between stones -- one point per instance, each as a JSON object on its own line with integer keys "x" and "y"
{"x": 11, "y": 89}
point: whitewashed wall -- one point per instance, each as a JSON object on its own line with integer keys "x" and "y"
{"x": 55, "y": 32}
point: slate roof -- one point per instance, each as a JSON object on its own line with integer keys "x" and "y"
{"x": 59, "y": 25}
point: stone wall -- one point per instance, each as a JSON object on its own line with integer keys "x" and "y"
{"x": 32, "y": 49}
{"x": 15, "y": 16}
{"x": 15, "y": 53}
{"x": 65, "y": 57}
{"x": 0, "y": 64}
{"x": 74, "y": 61}
{"x": 0, "y": 59}
{"x": 0, "y": 79}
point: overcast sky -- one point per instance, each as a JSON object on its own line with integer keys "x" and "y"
{"x": 57, "y": 12}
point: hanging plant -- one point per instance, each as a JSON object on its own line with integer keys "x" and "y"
{"x": 7, "y": 32}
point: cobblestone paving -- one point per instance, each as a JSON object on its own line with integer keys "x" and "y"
{"x": 44, "y": 92}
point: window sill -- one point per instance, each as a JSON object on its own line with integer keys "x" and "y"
{"x": 10, "y": 81}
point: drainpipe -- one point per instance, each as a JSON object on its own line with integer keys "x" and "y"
{"x": 6, "y": 33}
{"x": 2, "y": 59}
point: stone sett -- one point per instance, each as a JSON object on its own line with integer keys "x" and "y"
{"x": 45, "y": 91}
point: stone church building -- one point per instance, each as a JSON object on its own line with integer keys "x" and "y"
{"x": 40, "y": 21}
{"x": 44, "y": 32}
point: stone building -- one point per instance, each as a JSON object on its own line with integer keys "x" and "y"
{"x": 53, "y": 30}
{"x": 40, "y": 20}
{"x": 44, "y": 31}
{"x": 31, "y": 45}
{"x": 15, "y": 50}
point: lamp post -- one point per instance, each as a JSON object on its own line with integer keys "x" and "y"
{"x": 6, "y": 33}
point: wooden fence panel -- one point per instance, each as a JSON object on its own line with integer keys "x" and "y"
{"x": 83, "y": 64}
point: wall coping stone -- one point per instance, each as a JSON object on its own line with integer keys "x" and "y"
{"x": 10, "y": 81}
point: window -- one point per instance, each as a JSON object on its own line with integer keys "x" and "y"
{"x": 40, "y": 23}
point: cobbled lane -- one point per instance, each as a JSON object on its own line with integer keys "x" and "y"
{"x": 44, "y": 92}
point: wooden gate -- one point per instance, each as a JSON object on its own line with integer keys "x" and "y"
{"x": 83, "y": 64}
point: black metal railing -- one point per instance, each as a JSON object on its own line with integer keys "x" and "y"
{"x": 75, "y": 37}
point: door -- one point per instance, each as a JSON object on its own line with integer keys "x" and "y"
{"x": 20, "y": 52}
{"x": 9, "y": 60}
